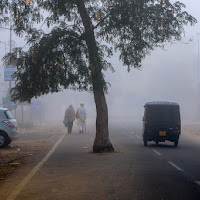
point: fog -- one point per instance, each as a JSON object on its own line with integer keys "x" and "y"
{"x": 166, "y": 75}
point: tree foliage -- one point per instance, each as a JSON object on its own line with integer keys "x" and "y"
{"x": 59, "y": 57}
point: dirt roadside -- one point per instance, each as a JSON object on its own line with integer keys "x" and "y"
{"x": 30, "y": 143}
{"x": 191, "y": 131}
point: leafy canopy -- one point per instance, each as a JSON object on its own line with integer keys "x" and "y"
{"x": 58, "y": 57}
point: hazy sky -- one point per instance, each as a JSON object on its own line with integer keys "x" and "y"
{"x": 169, "y": 75}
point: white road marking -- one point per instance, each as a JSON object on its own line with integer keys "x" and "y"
{"x": 174, "y": 165}
{"x": 157, "y": 152}
{"x": 138, "y": 136}
{"x": 27, "y": 178}
{"x": 131, "y": 136}
{"x": 198, "y": 182}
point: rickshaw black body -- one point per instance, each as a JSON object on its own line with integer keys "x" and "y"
{"x": 161, "y": 122}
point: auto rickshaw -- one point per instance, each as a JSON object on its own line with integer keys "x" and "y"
{"x": 161, "y": 122}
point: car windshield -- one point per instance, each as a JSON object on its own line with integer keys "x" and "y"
{"x": 163, "y": 114}
{"x": 9, "y": 114}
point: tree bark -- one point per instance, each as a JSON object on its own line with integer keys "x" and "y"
{"x": 102, "y": 142}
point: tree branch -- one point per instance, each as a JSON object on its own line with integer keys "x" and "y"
{"x": 101, "y": 21}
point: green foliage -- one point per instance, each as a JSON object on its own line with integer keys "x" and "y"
{"x": 4, "y": 8}
{"x": 136, "y": 27}
{"x": 60, "y": 57}
{"x": 56, "y": 60}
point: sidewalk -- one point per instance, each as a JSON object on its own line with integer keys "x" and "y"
{"x": 73, "y": 172}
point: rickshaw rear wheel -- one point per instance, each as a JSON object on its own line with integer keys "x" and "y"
{"x": 175, "y": 142}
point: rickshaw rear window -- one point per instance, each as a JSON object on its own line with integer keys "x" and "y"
{"x": 162, "y": 114}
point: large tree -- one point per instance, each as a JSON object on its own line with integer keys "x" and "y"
{"x": 82, "y": 34}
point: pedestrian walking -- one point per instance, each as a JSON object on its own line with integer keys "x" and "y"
{"x": 69, "y": 118}
{"x": 81, "y": 117}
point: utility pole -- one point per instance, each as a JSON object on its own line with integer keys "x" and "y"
{"x": 9, "y": 89}
{"x": 10, "y": 48}
{"x": 198, "y": 56}
{"x": 198, "y": 75}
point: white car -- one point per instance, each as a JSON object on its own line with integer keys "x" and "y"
{"x": 8, "y": 127}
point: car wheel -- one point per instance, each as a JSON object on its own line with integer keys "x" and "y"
{"x": 156, "y": 142}
{"x": 145, "y": 143}
{"x": 175, "y": 142}
{"x": 4, "y": 140}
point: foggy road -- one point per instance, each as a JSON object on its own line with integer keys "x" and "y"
{"x": 133, "y": 172}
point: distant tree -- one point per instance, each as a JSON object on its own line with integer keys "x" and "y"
{"x": 82, "y": 34}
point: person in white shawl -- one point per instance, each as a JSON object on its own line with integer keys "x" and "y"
{"x": 81, "y": 117}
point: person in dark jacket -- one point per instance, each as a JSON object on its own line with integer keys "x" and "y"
{"x": 69, "y": 118}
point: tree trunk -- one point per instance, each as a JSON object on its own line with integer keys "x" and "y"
{"x": 102, "y": 142}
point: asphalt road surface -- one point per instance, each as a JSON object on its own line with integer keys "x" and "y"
{"x": 70, "y": 171}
